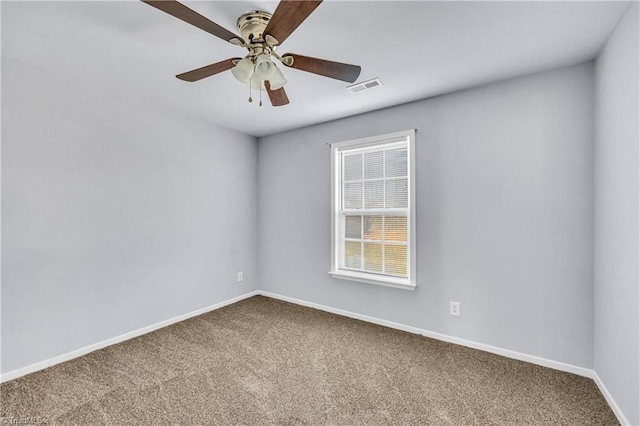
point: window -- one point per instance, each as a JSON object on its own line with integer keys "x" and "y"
{"x": 373, "y": 210}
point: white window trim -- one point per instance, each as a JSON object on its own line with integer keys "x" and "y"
{"x": 388, "y": 281}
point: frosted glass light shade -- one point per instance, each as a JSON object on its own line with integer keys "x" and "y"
{"x": 264, "y": 66}
{"x": 277, "y": 80}
{"x": 243, "y": 70}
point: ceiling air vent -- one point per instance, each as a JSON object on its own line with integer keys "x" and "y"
{"x": 364, "y": 85}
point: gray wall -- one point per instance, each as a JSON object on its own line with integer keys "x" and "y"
{"x": 116, "y": 214}
{"x": 505, "y": 215}
{"x": 616, "y": 266}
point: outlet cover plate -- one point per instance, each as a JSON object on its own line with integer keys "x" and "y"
{"x": 454, "y": 308}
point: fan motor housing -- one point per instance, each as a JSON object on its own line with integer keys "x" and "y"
{"x": 252, "y": 25}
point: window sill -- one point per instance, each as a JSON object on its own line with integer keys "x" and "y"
{"x": 372, "y": 279}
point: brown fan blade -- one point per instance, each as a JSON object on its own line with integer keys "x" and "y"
{"x": 288, "y": 16}
{"x": 207, "y": 71}
{"x": 192, "y": 17}
{"x": 277, "y": 97}
{"x": 337, "y": 70}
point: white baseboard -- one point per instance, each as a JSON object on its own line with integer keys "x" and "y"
{"x": 556, "y": 365}
{"x": 130, "y": 335}
{"x": 612, "y": 402}
{"x": 581, "y": 371}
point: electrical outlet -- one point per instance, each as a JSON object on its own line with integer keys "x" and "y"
{"x": 454, "y": 308}
{"x": 240, "y": 277}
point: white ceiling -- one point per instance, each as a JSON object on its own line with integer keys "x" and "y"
{"x": 417, "y": 48}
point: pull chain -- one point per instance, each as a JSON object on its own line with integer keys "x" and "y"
{"x": 261, "y": 92}
{"x": 250, "y": 100}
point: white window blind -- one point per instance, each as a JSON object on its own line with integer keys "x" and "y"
{"x": 372, "y": 210}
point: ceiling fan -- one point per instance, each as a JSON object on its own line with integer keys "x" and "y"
{"x": 262, "y": 33}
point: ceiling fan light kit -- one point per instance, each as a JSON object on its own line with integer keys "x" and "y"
{"x": 261, "y": 33}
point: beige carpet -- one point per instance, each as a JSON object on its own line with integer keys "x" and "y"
{"x": 263, "y": 361}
